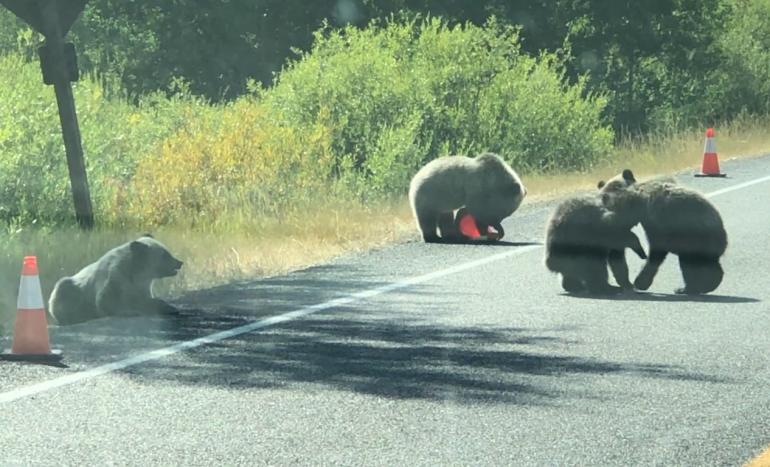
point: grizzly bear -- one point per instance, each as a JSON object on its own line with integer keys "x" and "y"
{"x": 582, "y": 236}
{"x": 117, "y": 284}
{"x": 485, "y": 185}
{"x": 676, "y": 220}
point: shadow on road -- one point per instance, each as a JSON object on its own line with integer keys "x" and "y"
{"x": 399, "y": 358}
{"x": 497, "y": 243}
{"x": 661, "y": 297}
{"x": 403, "y": 349}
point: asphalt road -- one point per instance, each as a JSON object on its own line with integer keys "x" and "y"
{"x": 448, "y": 355}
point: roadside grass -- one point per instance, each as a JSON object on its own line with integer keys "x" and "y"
{"x": 762, "y": 460}
{"x": 230, "y": 251}
{"x": 659, "y": 154}
{"x": 241, "y": 248}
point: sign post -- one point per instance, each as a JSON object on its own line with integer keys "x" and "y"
{"x": 53, "y": 19}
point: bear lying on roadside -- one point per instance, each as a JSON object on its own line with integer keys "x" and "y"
{"x": 676, "y": 220}
{"x": 582, "y": 236}
{"x": 486, "y": 186}
{"x": 117, "y": 284}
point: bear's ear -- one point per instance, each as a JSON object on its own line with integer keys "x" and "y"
{"x": 628, "y": 176}
{"x": 147, "y": 235}
{"x": 138, "y": 247}
{"x": 601, "y": 184}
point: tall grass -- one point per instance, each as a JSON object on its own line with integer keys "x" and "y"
{"x": 232, "y": 250}
{"x": 661, "y": 152}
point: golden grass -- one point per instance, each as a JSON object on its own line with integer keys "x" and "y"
{"x": 211, "y": 257}
{"x": 659, "y": 154}
{"x": 242, "y": 251}
{"x": 762, "y": 460}
{"x": 279, "y": 248}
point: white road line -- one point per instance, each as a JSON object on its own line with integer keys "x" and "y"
{"x": 44, "y": 386}
{"x": 737, "y": 187}
{"x": 37, "y": 388}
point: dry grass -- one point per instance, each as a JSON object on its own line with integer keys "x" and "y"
{"x": 762, "y": 460}
{"x": 211, "y": 257}
{"x": 214, "y": 257}
{"x": 660, "y": 154}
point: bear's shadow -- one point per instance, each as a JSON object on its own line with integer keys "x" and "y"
{"x": 500, "y": 243}
{"x": 663, "y": 297}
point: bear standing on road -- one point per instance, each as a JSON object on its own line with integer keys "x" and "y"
{"x": 486, "y": 186}
{"x": 676, "y": 220}
{"x": 582, "y": 236}
{"x": 117, "y": 284}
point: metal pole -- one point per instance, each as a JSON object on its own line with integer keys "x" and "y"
{"x": 68, "y": 117}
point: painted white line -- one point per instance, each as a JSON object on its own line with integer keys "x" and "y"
{"x": 37, "y": 388}
{"x": 737, "y": 187}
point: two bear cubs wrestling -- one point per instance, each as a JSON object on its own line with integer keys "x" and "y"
{"x": 585, "y": 233}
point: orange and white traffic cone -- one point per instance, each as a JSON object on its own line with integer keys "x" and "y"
{"x": 466, "y": 223}
{"x": 30, "y": 333}
{"x": 710, "y": 167}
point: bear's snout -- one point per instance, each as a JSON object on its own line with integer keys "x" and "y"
{"x": 171, "y": 267}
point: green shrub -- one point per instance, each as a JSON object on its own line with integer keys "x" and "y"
{"x": 746, "y": 49}
{"x": 34, "y": 182}
{"x": 400, "y": 94}
{"x": 353, "y": 118}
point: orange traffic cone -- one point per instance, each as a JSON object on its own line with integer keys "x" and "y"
{"x": 468, "y": 226}
{"x": 466, "y": 223}
{"x": 710, "y": 166}
{"x": 30, "y": 333}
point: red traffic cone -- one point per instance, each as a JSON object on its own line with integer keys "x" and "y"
{"x": 30, "y": 333}
{"x": 468, "y": 227}
{"x": 710, "y": 167}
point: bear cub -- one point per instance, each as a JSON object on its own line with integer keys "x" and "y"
{"x": 676, "y": 220}
{"x": 117, "y": 284}
{"x": 485, "y": 185}
{"x": 582, "y": 237}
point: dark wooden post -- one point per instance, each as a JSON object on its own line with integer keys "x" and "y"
{"x": 67, "y": 115}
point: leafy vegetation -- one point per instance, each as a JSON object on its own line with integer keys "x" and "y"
{"x": 352, "y": 118}
{"x": 399, "y": 95}
{"x": 659, "y": 63}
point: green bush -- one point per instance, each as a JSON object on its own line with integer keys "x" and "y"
{"x": 34, "y": 182}
{"x": 402, "y": 93}
{"x": 727, "y": 77}
{"x": 746, "y": 49}
{"x": 353, "y": 118}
